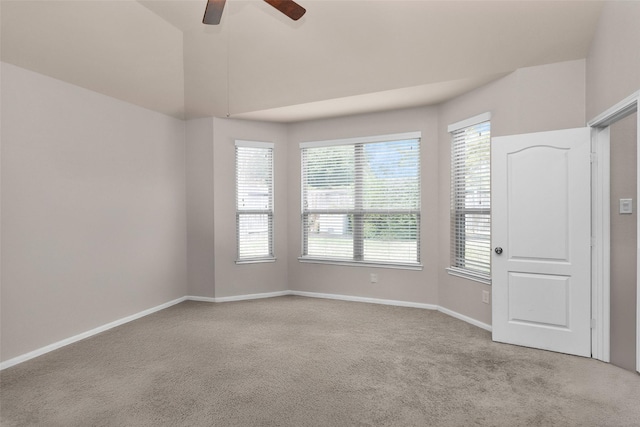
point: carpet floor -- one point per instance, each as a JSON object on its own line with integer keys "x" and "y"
{"x": 295, "y": 361}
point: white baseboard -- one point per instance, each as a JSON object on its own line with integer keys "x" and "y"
{"x": 201, "y": 299}
{"x": 238, "y": 297}
{"x": 396, "y": 303}
{"x": 364, "y": 299}
{"x": 464, "y": 318}
{"x": 252, "y": 296}
{"x": 87, "y": 334}
{"x": 67, "y": 341}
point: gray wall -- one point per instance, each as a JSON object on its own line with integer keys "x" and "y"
{"x": 93, "y": 210}
{"x": 404, "y": 285}
{"x": 613, "y": 73}
{"x": 613, "y": 63}
{"x": 532, "y": 99}
{"x": 200, "y": 202}
{"x": 100, "y": 214}
{"x": 623, "y": 244}
{"x": 232, "y": 279}
{"x": 211, "y": 237}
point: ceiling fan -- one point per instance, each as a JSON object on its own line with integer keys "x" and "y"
{"x": 213, "y": 12}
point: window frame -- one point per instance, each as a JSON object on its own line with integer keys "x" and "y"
{"x": 457, "y": 270}
{"x": 270, "y": 212}
{"x": 358, "y": 210}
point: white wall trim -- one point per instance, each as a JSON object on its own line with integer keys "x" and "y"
{"x": 46, "y": 349}
{"x": 469, "y": 275}
{"x": 398, "y": 266}
{"x": 364, "y": 299}
{"x": 464, "y": 318}
{"x": 395, "y": 303}
{"x": 616, "y": 112}
{"x": 600, "y": 254}
{"x": 480, "y": 118}
{"x": 622, "y": 109}
{"x": 200, "y": 299}
{"x": 251, "y": 296}
{"x": 363, "y": 139}
{"x": 67, "y": 341}
{"x": 237, "y": 297}
{"x": 254, "y": 144}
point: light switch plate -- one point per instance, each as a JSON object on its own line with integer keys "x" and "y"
{"x": 626, "y": 206}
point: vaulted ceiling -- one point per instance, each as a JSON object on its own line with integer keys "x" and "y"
{"x": 343, "y": 57}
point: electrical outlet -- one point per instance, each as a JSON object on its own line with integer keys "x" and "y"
{"x": 485, "y": 297}
{"x": 374, "y": 278}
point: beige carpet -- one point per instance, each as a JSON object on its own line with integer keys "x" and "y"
{"x": 294, "y": 361}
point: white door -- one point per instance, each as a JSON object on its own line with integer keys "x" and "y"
{"x": 541, "y": 220}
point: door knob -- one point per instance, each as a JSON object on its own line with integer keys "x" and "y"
{"x": 498, "y": 250}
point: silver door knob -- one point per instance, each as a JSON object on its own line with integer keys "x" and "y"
{"x": 498, "y": 250}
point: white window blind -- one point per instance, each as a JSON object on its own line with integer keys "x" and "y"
{"x": 361, "y": 200}
{"x": 471, "y": 200}
{"x": 254, "y": 200}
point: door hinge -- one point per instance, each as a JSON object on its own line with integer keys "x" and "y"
{"x": 593, "y": 242}
{"x": 593, "y": 323}
{"x": 594, "y": 157}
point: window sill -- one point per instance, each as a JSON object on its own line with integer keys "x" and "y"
{"x": 469, "y": 275}
{"x": 255, "y": 261}
{"x": 361, "y": 264}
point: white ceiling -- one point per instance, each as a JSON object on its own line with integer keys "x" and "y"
{"x": 343, "y": 57}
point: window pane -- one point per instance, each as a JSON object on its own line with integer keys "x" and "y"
{"x": 328, "y": 178}
{"x": 254, "y": 200}
{"x": 361, "y": 201}
{"x": 329, "y": 236}
{"x": 253, "y": 235}
{"x": 474, "y": 242}
{"x": 254, "y": 177}
{"x": 391, "y": 237}
{"x": 391, "y": 177}
{"x": 471, "y": 199}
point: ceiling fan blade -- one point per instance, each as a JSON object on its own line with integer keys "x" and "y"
{"x": 290, "y": 8}
{"x": 213, "y": 12}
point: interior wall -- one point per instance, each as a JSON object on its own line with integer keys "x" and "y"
{"x": 535, "y": 99}
{"x": 93, "y": 210}
{"x": 94, "y": 224}
{"x": 233, "y": 279}
{"x": 624, "y": 243}
{"x": 613, "y": 73}
{"x": 200, "y": 202}
{"x": 404, "y": 285}
{"x": 613, "y": 63}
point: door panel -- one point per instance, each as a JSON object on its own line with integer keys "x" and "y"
{"x": 539, "y": 299}
{"x": 546, "y": 236}
{"x": 542, "y": 221}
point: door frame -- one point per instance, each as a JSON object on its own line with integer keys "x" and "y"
{"x": 601, "y": 222}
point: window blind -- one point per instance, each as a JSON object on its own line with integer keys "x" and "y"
{"x": 254, "y": 200}
{"x": 471, "y": 199}
{"x": 361, "y": 201}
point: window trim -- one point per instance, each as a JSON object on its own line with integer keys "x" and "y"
{"x": 372, "y": 264}
{"x": 460, "y": 272}
{"x": 271, "y": 213}
{"x": 360, "y": 141}
{"x": 471, "y": 121}
{"x": 453, "y": 270}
